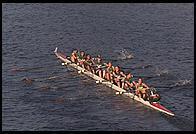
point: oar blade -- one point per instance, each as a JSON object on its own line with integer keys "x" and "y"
{"x": 27, "y": 80}
{"x": 59, "y": 99}
{"x": 43, "y": 88}
{"x": 15, "y": 69}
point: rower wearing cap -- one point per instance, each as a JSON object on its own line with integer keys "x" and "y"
{"x": 141, "y": 88}
{"x": 118, "y": 74}
{"x": 128, "y": 82}
{"x": 81, "y": 58}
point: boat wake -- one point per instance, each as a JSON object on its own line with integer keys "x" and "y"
{"x": 180, "y": 122}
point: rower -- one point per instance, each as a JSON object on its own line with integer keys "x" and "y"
{"x": 141, "y": 88}
{"x": 99, "y": 65}
{"x": 118, "y": 74}
{"x": 74, "y": 56}
{"x": 88, "y": 63}
{"x": 128, "y": 82}
{"x": 81, "y": 58}
{"x": 109, "y": 71}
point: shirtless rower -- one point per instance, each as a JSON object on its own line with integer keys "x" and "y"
{"x": 74, "y": 56}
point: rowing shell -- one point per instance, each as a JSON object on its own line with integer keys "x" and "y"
{"x": 154, "y": 105}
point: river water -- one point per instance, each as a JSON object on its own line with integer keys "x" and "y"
{"x": 159, "y": 35}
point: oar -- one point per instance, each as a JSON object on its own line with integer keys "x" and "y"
{"x": 137, "y": 67}
{"x": 172, "y": 86}
{"x": 127, "y": 92}
{"x": 56, "y": 87}
{"x": 62, "y": 86}
{"x": 42, "y": 79}
{"x": 112, "y": 60}
{"x": 145, "y": 76}
{"x": 148, "y": 76}
{"x": 163, "y": 86}
{"x": 28, "y": 69}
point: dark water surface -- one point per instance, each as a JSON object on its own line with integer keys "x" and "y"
{"x": 161, "y": 35}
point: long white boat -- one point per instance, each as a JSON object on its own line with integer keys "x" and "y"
{"x": 154, "y": 105}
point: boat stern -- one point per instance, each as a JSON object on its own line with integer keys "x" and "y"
{"x": 55, "y": 51}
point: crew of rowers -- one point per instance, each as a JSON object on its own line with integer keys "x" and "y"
{"x": 113, "y": 74}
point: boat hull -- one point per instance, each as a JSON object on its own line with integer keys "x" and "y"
{"x": 153, "y": 105}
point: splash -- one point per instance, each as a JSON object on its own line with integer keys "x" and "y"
{"x": 124, "y": 54}
{"x": 161, "y": 72}
{"x": 182, "y": 83}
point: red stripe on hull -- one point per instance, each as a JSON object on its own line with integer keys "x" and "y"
{"x": 63, "y": 56}
{"x": 160, "y": 107}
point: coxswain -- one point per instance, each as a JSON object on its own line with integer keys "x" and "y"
{"x": 152, "y": 95}
{"x": 141, "y": 88}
